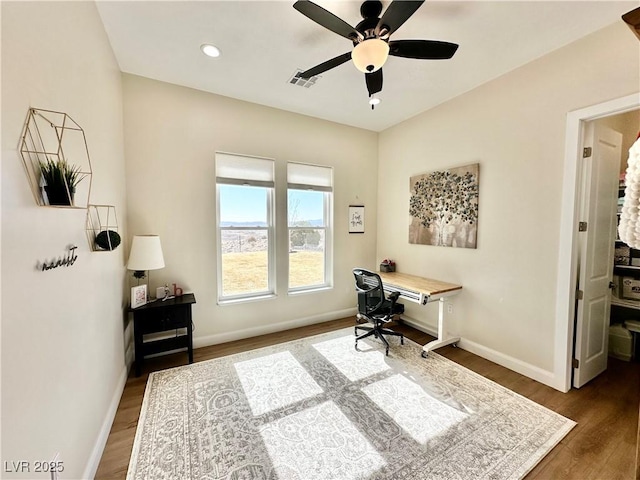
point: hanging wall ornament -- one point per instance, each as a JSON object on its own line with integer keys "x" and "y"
{"x": 629, "y": 228}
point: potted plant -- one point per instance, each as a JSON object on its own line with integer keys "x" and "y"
{"x": 61, "y": 180}
{"x": 387, "y": 265}
{"x": 108, "y": 240}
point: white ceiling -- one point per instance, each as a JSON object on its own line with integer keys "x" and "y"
{"x": 264, "y": 42}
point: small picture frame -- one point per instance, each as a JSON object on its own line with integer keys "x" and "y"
{"x": 356, "y": 218}
{"x": 138, "y": 296}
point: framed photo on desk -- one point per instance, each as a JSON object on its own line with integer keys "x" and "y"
{"x": 356, "y": 218}
{"x": 138, "y": 296}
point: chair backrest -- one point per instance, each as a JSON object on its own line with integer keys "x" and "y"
{"x": 370, "y": 291}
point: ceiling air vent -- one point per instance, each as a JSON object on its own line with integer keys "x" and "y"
{"x": 296, "y": 79}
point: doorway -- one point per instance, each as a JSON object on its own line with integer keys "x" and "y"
{"x": 602, "y": 191}
{"x": 569, "y": 240}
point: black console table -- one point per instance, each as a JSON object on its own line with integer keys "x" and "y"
{"x": 162, "y": 316}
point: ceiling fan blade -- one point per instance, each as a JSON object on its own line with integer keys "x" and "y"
{"x": 374, "y": 81}
{"x": 328, "y": 65}
{"x": 422, "y": 49}
{"x": 326, "y": 19}
{"x": 397, "y": 13}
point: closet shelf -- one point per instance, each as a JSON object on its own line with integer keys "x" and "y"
{"x": 618, "y": 302}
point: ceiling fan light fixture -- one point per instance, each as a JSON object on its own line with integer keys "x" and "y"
{"x": 374, "y": 100}
{"x": 369, "y": 55}
{"x": 210, "y": 50}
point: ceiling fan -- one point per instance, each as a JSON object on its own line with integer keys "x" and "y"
{"x": 370, "y": 38}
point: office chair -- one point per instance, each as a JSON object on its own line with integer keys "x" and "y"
{"x": 374, "y": 307}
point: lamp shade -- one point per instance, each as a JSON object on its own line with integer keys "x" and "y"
{"x": 146, "y": 253}
{"x": 369, "y": 56}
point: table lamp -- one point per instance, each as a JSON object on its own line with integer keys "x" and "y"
{"x": 145, "y": 255}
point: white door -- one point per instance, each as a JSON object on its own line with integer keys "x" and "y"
{"x": 600, "y": 187}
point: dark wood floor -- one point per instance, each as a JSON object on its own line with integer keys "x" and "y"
{"x": 601, "y": 447}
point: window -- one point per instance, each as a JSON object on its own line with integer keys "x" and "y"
{"x": 309, "y": 200}
{"x": 246, "y": 264}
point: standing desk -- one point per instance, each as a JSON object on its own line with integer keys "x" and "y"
{"x": 423, "y": 291}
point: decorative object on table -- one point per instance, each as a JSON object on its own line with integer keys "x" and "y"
{"x": 384, "y": 417}
{"x": 164, "y": 293}
{"x": 102, "y": 228}
{"x": 629, "y": 226}
{"x": 444, "y": 207}
{"x": 138, "y": 295}
{"x": 66, "y": 261}
{"x": 356, "y": 218}
{"x": 387, "y": 265}
{"x": 145, "y": 255}
{"x": 55, "y": 155}
{"x": 177, "y": 291}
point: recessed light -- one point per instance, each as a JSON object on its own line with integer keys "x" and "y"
{"x": 210, "y": 50}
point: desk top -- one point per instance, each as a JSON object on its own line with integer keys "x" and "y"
{"x": 426, "y": 286}
{"x": 186, "y": 299}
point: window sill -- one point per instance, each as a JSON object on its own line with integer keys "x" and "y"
{"x": 322, "y": 288}
{"x": 236, "y": 301}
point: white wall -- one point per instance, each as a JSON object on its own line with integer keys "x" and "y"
{"x": 172, "y": 134}
{"x": 63, "y": 363}
{"x": 514, "y": 127}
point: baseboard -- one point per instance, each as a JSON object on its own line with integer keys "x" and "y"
{"x": 128, "y": 345}
{"x": 129, "y": 356}
{"x": 101, "y": 441}
{"x": 216, "y": 339}
{"x": 523, "y": 368}
{"x": 540, "y": 375}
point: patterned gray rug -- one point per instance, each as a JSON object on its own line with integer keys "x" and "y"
{"x": 318, "y": 409}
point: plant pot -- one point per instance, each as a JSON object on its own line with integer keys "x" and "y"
{"x": 108, "y": 240}
{"x": 58, "y": 196}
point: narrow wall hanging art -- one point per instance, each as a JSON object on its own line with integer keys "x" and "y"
{"x": 444, "y": 207}
{"x": 356, "y": 218}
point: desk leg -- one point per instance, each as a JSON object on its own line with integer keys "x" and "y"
{"x": 443, "y": 336}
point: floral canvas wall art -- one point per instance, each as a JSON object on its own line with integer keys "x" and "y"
{"x": 444, "y": 207}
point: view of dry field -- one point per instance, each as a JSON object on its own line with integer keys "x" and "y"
{"x": 244, "y": 263}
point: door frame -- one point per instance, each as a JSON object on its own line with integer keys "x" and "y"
{"x": 570, "y": 211}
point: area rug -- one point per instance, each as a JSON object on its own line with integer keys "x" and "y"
{"x": 317, "y": 408}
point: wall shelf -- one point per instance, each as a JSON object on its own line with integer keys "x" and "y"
{"x": 55, "y": 137}
{"x": 102, "y": 218}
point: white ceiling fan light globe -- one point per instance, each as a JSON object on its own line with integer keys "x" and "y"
{"x": 369, "y": 55}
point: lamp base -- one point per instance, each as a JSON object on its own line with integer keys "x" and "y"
{"x": 139, "y": 274}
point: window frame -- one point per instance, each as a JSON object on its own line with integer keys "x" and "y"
{"x": 327, "y": 227}
{"x": 269, "y": 186}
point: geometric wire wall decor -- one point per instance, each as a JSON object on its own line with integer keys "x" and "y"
{"x": 102, "y": 228}
{"x": 56, "y": 159}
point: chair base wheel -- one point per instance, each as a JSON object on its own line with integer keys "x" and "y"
{"x": 423, "y": 354}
